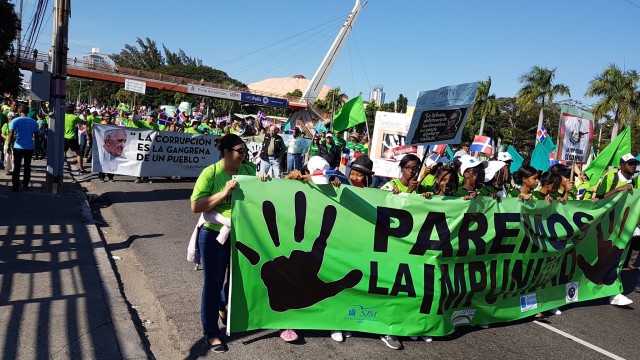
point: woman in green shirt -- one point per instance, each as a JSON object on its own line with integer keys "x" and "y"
{"x": 212, "y": 192}
{"x": 408, "y": 181}
{"x": 313, "y": 149}
{"x": 549, "y": 185}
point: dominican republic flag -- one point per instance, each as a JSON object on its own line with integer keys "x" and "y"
{"x": 261, "y": 116}
{"x": 180, "y": 116}
{"x": 440, "y": 148}
{"x": 542, "y": 134}
{"x": 482, "y": 144}
{"x": 222, "y": 118}
{"x": 201, "y": 107}
{"x": 164, "y": 118}
{"x": 95, "y": 102}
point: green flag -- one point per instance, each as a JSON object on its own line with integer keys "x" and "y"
{"x": 350, "y": 115}
{"x": 609, "y": 156}
{"x": 517, "y": 159}
{"x": 541, "y": 154}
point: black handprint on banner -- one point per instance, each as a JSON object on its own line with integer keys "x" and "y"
{"x": 605, "y": 270}
{"x": 292, "y": 282}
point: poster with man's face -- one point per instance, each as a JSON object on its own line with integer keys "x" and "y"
{"x": 575, "y": 135}
{"x": 441, "y": 115}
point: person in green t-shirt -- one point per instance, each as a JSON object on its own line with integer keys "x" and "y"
{"x": 472, "y": 170}
{"x": 71, "y": 122}
{"x": 312, "y": 150}
{"x": 212, "y": 193}
{"x": 526, "y": 178}
{"x": 408, "y": 181}
{"x": 619, "y": 179}
{"x": 8, "y": 156}
{"x": 445, "y": 182}
{"x": 550, "y": 183}
{"x": 193, "y": 128}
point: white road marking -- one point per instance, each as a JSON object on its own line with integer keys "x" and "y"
{"x": 580, "y": 341}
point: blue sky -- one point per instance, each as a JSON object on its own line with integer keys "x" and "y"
{"x": 405, "y": 45}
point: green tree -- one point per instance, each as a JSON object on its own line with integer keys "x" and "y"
{"x": 539, "y": 88}
{"x": 401, "y": 104}
{"x": 485, "y": 104}
{"x": 295, "y": 93}
{"x": 10, "y": 76}
{"x": 145, "y": 56}
{"x": 619, "y": 95}
{"x": 388, "y": 107}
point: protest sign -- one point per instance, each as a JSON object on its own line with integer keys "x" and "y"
{"x": 388, "y": 144}
{"x": 137, "y": 152}
{"x": 135, "y": 86}
{"x": 575, "y": 135}
{"x": 440, "y": 115}
{"x": 318, "y": 257}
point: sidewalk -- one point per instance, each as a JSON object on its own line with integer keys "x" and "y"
{"x": 59, "y": 297}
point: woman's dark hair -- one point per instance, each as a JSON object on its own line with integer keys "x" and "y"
{"x": 561, "y": 170}
{"x": 550, "y": 178}
{"x": 407, "y": 158}
{"x": 228, "y": 141}
{"x": 315, "y": 138}
{"x": 442, "y": 171}
{"x": 522, "y": 173}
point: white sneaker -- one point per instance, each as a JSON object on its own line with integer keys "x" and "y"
{"x": 347, "y": 334}
{"x": 337, "y": 336}
{"x": 555, "y": 311}
{"x": 620, "y": 300}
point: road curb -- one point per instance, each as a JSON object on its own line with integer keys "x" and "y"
{"x": 129, "y": 341}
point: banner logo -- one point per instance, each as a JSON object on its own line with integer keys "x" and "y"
{"x": 528, "y": 302}
{"x": 572, "y": 292}
{"x": 462, "y": 317}
{"x": 361, "y": 314}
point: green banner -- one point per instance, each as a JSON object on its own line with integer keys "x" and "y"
{"x": 316, "y": 257}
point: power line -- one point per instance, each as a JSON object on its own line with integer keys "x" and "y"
{"x": 632, "y": 3}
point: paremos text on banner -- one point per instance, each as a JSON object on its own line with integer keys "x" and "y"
{"x": 440, "y": 115}
{"x": 137, "y": 152}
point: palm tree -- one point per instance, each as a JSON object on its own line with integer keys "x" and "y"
{"x": 619, "y": 95}
{"x": 485, "y": 104}
{"x": 538, "y": 86}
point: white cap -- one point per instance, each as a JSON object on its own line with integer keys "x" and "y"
{"x": 504, "y": 156}
{"x": 328, "y": 135}
{"x": 93, "y": 109}
{"x": 629, "y": 158}
{"x": 492, "y": 168}
{"x": 316, "y": 163}
{"x": 460, "y": 153}
{"x": 468, "y": 162}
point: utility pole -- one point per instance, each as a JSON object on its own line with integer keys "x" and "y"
{"x": 55, "y": 146}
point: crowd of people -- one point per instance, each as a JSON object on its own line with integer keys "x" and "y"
{"x": 466, "y": 177}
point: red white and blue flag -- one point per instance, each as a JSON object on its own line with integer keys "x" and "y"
{"x": 180, "y": 116}
{"x": 261, "y": 116}
{"x": 164, "y": 118}
{"x": 482, "y": 144}
{"x": 201, "y": 107}
{"x": 439, "y": 148}
{"x": 95, "y": 102}
{"x": 222, "y": 118}
{"x": 542, "y": 134}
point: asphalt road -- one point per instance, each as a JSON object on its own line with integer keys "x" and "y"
{"x": 156, "y": 222}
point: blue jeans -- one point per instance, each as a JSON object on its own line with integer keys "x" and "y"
{"x": 273, "y": 163}
{"x": 294, "y": 161}
{"x": 215, "y": 260}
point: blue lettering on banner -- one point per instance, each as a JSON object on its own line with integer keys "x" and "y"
{"x": 263, "y": 100}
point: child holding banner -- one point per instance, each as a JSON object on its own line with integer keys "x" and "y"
{"x": 526, "y": 177}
